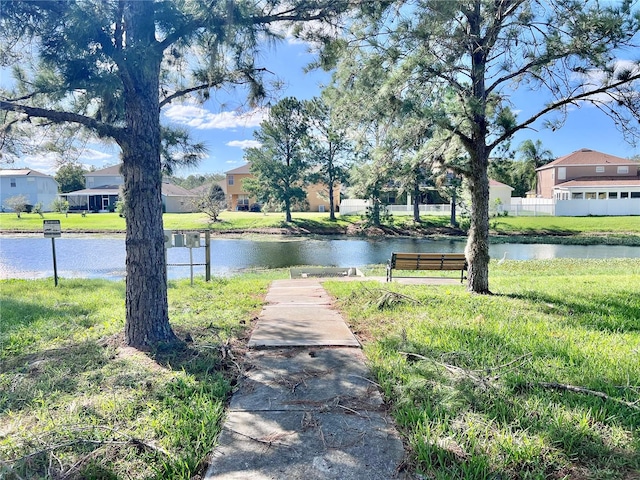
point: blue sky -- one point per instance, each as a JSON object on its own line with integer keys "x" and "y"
{"x": 226, "y": 132}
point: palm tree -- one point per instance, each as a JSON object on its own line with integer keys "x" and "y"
{"x": 533, "y": 156}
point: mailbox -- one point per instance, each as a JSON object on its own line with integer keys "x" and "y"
{"x": 178, "y": 240}
{"x": 193, "y": 239}
{"x": 168, "y": 239}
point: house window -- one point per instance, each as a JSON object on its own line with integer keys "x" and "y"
{"x": 229, "y": 179}
{"x": 600, "y": 169}
{"x": 13, "y": 182}
{"x": 635, "y": 194}
{"x": 624, "y": 194}
{"x": 623, "y": 169}
{"x": 590, "y": 195}
{"x": 243, "y": 202}
{"x": 602, "y": 195}
{"x": 562, "y": 173}
{"x": 577, "y": 196}
{"x": 613, "y": 195}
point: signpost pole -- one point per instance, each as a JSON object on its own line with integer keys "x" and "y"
{"x": 191, "y": 263}
{"x": 207, "y": 252}
{"x": 51, "y": 229}
{"x": 55, "y": 265}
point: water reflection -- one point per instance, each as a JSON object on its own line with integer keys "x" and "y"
{"x": 104, "y": 257}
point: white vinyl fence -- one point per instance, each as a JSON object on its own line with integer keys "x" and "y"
{"x": 530, "y": 207}
{"x": 355, "y": 206}
{"x": 519, "y": 207}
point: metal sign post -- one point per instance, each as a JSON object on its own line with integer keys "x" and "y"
{"x": 52, "y": 229}
{"x": 188, "y": 240}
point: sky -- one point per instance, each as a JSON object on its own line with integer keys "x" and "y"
{"x": 226, "y": 132}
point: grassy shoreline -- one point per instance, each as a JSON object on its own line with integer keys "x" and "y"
{"x": 466, "y": 377}
{"x": 558, "y": 230}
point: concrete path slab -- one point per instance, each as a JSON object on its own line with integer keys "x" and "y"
{"x": 327, "y": 379}
{"x": 306, "y": 446}
{"x": 300, "y": 314}
{"x": 305, "y": 413}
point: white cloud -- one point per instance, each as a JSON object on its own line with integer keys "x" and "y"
{"x": 199, "y": 118}
{"x": 594, "y": 79}
{"x": 244, "y": 144}
{"x": 42, "y": 163}
{"x": 90, "y": 155}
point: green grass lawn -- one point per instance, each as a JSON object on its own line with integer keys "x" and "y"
{"x": 228, "y": 221}
{"x": 319, "y": 222}
{"x": 566, "y": 225}
{"x": 481, "y": 386}
{"x": 76, "y": 404}
{"x": 474, "y": 382}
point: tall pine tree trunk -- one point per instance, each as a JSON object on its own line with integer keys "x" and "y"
{"x": 416, "y": 201}
{"x": 332, "y": 207}
{"x": 287, "y": 210}
{"x": 147, "y": 312}
{"x": 477, "y": 250}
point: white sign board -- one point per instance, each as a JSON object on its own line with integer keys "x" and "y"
{"x": 51, "y": 228}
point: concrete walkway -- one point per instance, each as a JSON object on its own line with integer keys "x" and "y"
{"x": 305, "y": 408}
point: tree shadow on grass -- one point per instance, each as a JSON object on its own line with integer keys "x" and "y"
{"x": 603, "y": 312}
{"x": 508, "y": 410}
{"x": 97, "y": 391}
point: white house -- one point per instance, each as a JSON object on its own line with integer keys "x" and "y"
{"x": 36, "y": 186}
{"x": 499, "y": 196}
{"x": 103, "y": 189}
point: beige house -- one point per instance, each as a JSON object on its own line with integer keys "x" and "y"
{"x": 237, "y": 196}
{"x": 239, "y": 199}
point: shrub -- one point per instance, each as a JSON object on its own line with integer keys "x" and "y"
{"x": 18, "y": 203}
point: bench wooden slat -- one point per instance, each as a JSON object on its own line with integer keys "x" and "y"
{"x": 427, "y": 261}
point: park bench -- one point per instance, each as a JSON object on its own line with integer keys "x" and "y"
{"x": 426, "y": 261}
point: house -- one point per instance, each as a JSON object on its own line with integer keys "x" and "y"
{"x": 594, "y": 182}
{"x": 106, "y": 176}
{"x": 103, "y": 190}
{"x": 573, "y": 175}
{"x": 499, "y": 201}
{"x": 237, "y": 196}
{"x": 176, "y": 199}
{"x": 37, "y": 187}
{"x": 239, "y": 199}
{"x": 499, "y": 196}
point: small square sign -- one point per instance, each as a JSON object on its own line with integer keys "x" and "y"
{"x": 51, "y": 228}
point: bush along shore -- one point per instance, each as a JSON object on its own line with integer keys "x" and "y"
{"x": 539, "y": 380}
{"x": 563, "y": 230}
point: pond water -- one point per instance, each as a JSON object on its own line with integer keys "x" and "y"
{"x": 91, "y": 256}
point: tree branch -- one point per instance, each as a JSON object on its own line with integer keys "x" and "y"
{"x": 586, "y": 391}
{"x": 205, "y": 86}
{"x": 561, "y": 103}
{"x": 102, "y": 129}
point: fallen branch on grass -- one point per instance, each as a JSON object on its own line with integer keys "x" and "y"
{"x": 586, "y": 391}
{"x": 473, "y": 375}
{"x": 388, "y": 298}
{"x": 132, "y": 442}
{"x": 453, "y": 369}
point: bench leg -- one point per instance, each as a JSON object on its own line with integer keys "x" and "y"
{"x": 388, "y": 274}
